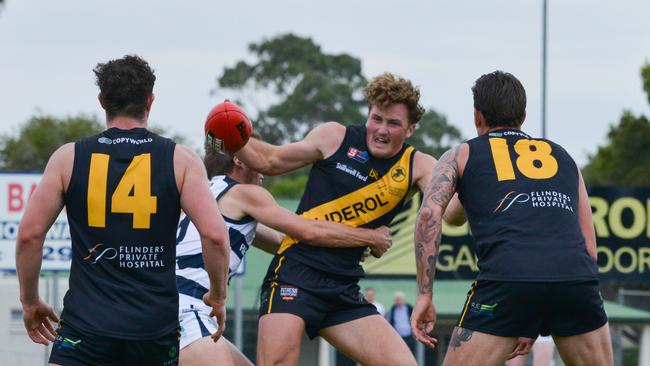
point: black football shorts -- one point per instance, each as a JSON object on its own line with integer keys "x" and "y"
{"x": 529, "y": 309}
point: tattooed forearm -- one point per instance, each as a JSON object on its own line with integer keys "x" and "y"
{"x": 460, "y": 336}
{"x": 429, "y": 222}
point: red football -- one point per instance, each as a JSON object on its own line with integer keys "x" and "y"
{"x": 227, "y": 128}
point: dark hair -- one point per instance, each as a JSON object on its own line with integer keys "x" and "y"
{"x": 388, "y": 89}
{"x": 220, "y": 162}
{"x": 501, "y": 99}
{"x": 125, "y": 84}
{"x": 217, "y": 162}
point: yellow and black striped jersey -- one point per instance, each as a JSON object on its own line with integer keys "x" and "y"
{"x": 353, "y": 188}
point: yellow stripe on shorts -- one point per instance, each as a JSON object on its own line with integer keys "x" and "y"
{"x": 273, "y": 285}
{"x": 469, "y": 298}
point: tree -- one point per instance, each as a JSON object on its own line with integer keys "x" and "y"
{"x": 40, "y": 136}
{"x": 434, "y": 135}
{"x": 625, "y": 158}
{"x": 311, "y": 86}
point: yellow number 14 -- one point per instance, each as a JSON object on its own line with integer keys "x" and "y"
{"x": 136, "y": 179}
{"x": 529, "y": 152}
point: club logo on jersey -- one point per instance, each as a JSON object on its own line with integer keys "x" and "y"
{"x": 398, "y": 173}
{"x": 288, "y": 293}
{"x": 482, "y": 309}
{"x": 358, "y": 155}
{"x": 535, "y": 199}
{"x": 374, "y": 174}
{"x": 96, "y": 253}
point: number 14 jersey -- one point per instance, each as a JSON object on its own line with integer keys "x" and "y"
{"x": 521, "y": 199}
{"x": 123, "y": 206}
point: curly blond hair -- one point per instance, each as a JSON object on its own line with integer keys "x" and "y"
{"x": 388, "y": 89}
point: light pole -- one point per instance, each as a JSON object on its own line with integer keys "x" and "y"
{"x": 544, "y": 11}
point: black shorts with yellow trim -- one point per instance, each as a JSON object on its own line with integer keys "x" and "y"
{"x": 529, "y": 309}
{"x": 75, "y": 347}
{"x": 320, "y": 298}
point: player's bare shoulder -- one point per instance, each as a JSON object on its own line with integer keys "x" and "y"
{"x": 422, "y": 166}
{"x": 185, "y": 160}
{"x": 327, "y": 137}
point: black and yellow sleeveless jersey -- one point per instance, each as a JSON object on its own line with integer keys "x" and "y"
{"x": 356, "y": 189}
{"x": 521, "y": 199}
{"x": 123, "y": 207}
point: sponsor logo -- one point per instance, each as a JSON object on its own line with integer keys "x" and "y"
{"x": 241, "y": 128}
{"x": 96, "y": 253}
{"x": 374, "y": 174}
{"x": 358, "y": 155}
{"x": 355, "y": 210}
{"x": 66, "y": 343}
{"x": 398, "y": 173}
{"x": 288, "y": 293}
{"x": 104, "y": 140}
{"x": 482, "y": 309}
{"x": 131, "y": 257}
{"x": 353, "y": 172}
{"x": 508, "y": 133}
{"x": 535, "y": 199}
{"x": 509, "y": 199}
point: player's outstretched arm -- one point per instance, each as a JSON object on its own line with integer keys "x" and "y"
{"x": 269, "y": 159}
{"x": 584, "y": 218}
{"x": 267, "y": 239}
{"x": 42, "y": 209}
{"x": 428, "y": 229}
{"x": 200, "y": 206}
{"x": 258, "y": 203}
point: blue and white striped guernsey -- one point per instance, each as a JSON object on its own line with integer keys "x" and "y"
{"x": 191, "y": 277}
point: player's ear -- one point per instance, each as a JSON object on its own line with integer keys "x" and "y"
{"x": 101, "y": 100}
{"x": 478, "y": 118}
{"x": 237, "y": 162}
{"x": 523, "y": 118}
{"x": 150, "y": 99}
{"x": 410, "y": 130}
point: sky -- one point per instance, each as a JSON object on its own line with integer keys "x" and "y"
{"x": 595, "y": 51}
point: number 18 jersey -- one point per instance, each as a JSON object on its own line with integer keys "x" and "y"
{"x": 521, "y": 199}
{"x": 123, "y": 205}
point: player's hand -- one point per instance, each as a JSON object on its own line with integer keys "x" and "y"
{"x": 366, "y": 254}
{"x": 423, "y": 319}
{"x": 218, "y": 310}
{"x": 38, "y": 320}
{"x": 383, "y": 241}
{"x": 523, "y": 347}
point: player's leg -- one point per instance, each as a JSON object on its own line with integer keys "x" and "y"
{"x": 288, "y": 310}
{"x": 495, "y": 314}
{"x": 517, "y": 361}
{"x": 579, "y": 325}
{"x": 369, "y": 341}
{"x": 279, "y": 338}
{"x": 473, "y": 348}
{"x": 590, "y": 349}
{"x": 205, "y": 352}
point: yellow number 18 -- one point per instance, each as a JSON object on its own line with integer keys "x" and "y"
{"x": 529, "y": 152}
{"x": 136, "y": 179}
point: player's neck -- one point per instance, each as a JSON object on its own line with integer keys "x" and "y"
{"x": 126, "y": 123}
